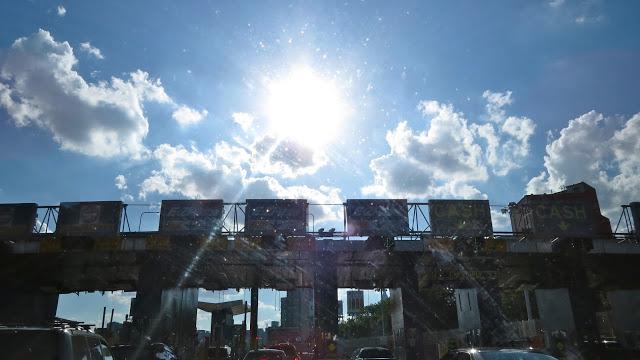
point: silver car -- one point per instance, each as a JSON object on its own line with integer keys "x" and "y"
{"x": 496, "y": 354}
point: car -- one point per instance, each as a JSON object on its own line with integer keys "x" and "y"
{"x": 52, "y": 343}
{"x": 368, "y": 353}
{"x": 149, "y": 351}
{"x": 265, "y": 354}
{"x": 496, "y": 354}
{"x": 218, "y": 353}
{"x": 608, "y": 349}
{"x": 289, "y": 349}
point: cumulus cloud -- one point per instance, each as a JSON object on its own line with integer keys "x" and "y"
{"x": 602, "y": 151}
{"x": 121, "y": 182}
{"x": 556, "y": 3}
{"x": 121, "y": 297}
{"x": 39, "y": 86}
{"x": 61, "y": 11}
{"x": 91, "y": 50}
{"x": 185, "y": 115}
{"x": 269, "y": 154}
{"x": 447, "y": 158}
{"x": 245, "y": 120}
{"x": 507, "y": 137}
{"x": 286, "y": 158}
{"x": 217, "y": 174}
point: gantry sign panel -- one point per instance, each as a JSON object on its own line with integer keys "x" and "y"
{"x": 635, "y": 215}
{"x": 377, "y": 217}
{"x": 17, "y": 220}
{"x": 460, "y": 218}
{"x": 272, "y": 217}
{"x": 191, "y": 217}
{"x": 97, "y": 218}
{"x": 555, "y": 217}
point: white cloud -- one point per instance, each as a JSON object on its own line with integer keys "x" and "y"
{"x": 245, "y": 120}
{"x": 286, "y": 158}
{"x": 495, "y": 103}
{"x": 601, "y": 151}
{"x": 39, "y": 86}
{"x": 185, "y": 115}
{"x": 507, "y": 137}
{"x": 447, "y": 158}
{"x": 264, "y": 306}
{"x": 61, "y": 11}
{"x": 269, "y": 154}
{"x": 218, "y": 173}
{"x": 437, "y": 161}
{"x": 121, "y": 182}
{"x": 120, "y": 297}
{"x": 91, "y": 50}
{"x": 500, "y": 221}
{"x": 555, "y": 3}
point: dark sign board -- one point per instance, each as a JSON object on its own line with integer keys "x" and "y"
{"x": 635, "y": 215}
{"x": 17, "y": 220}
{"x": 383, "y": 217}
{"x": 191, "y": 217}
{"x": 460, "y": 218}
{"x": 97, "y": 218}
{"x": 555, "y": 218}
{"x": 270, "y": 217}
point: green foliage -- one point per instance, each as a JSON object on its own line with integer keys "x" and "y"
{"x": 368, "y": 322}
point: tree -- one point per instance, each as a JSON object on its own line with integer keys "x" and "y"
{"x": 368, "y": 322}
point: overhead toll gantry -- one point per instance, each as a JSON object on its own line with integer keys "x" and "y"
{"x": 451, "y": 274}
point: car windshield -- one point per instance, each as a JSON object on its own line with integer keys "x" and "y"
{"x": 512, "y": 355}
{"x": 31, "y": 344}
{"x": 376, "y": 353}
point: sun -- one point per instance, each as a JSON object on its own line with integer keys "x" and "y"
{"x": 306, "y": 107}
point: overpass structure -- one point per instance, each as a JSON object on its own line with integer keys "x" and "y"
{"x": 451, "y": 275}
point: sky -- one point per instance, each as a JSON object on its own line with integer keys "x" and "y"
{"x": 327, "y": 101}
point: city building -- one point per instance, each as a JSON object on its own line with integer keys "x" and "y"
{"x": 296, "y": 309}
{"x": 355, "y": 302}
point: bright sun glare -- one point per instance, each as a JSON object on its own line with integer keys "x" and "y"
{"x": 306, "y": 107}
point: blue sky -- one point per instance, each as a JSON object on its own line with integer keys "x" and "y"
{"x": 322, "y": 100}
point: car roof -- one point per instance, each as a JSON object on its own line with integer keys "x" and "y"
{"x": 28, "y": 328}
{"x": 481, "y": 349}
{"x": 268, "y": 350}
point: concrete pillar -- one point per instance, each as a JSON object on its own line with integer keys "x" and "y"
{"x": 467, "y": 308}
{"x": 408, "y": 318}
{"x": 583, "y": 304}
{"x": 165, "y": 315}
{"x": 492, "y": 319}
{"x": 527, "y": 303}
{"x": 27, "y": 307}
{"x": 625, "y": 316}
{"x": 254, "y": 318}
{"x": 556, "y": 316}
{"x": 325, "y": 298}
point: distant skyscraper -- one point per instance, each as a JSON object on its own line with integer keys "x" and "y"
{"x": 355, "y": 302}
{"x": 383, "y": 295}
{"x": 296, "y": 310}
{"x": 340, "y": 309}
